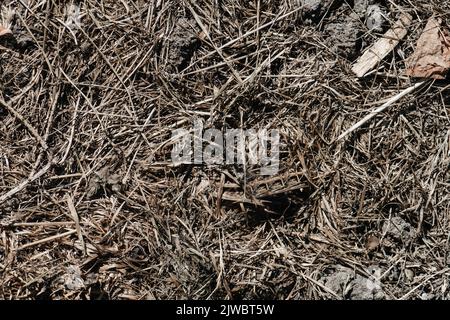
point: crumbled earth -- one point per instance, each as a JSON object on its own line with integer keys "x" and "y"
{"x": 398, "y": 229}
{"x": 311, "y": 6}
{"x": 72, "y": 279}
{"x": 313, "y": 10}
{"x": 343, "y": 35}
{"x": 360, "y": 7}
{"x": 345, "y": 29}
{"x": 348, "y": 285}
{"x": 182, "y": 42}
{"x": 104, "y": 181}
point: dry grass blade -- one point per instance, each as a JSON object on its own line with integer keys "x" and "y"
{"x": 380, "y": 109}
{"x": 76, "y": 219}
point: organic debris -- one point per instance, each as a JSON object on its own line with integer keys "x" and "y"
{"x": 4, "y": 31}
{"x": 431, "y": 58}
{"x": 6, "y": 15}
{"x": 382, "y": 47}
{"x": 92, "y": 205}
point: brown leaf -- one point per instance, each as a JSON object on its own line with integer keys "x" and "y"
{"x": 432, "y": 56}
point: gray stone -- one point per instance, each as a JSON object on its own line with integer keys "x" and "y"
{"x": 344, "y": 282}
{"x": 399, "y": 229}
{"x": 73, "y": 279}
{"x": 375, "y": 18}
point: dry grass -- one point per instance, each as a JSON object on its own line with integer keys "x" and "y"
{"x": 90, "y": 206}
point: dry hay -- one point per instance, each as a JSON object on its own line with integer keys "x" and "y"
{"x": 91, "y": 207}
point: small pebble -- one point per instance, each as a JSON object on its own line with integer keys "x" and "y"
{"x": 375, "y": 18}
{"x": 409, "y": 274}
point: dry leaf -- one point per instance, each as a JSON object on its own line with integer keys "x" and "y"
{"x": 6, "y": 18}
{"x": 432, "y": 56}
{"x": 372, "y": 243}
{"x": 4, "y": 31}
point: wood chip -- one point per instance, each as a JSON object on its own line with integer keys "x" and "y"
{"x": 432, "y": 56}
{"x": 381, "y": 48}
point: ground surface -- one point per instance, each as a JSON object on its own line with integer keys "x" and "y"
{"x": 91, "y": 207}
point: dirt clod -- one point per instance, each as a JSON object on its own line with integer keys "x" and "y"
{"x": 103, "y": 181}
{"x": 343, "y": 36}
{"x": 72, "y": 279}
{"x": 183, "y": 41}
{"x": 399, "y": 229}
{"x": 345, "y": 283}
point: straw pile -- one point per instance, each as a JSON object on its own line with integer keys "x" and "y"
{"x": 91, "y": 206}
